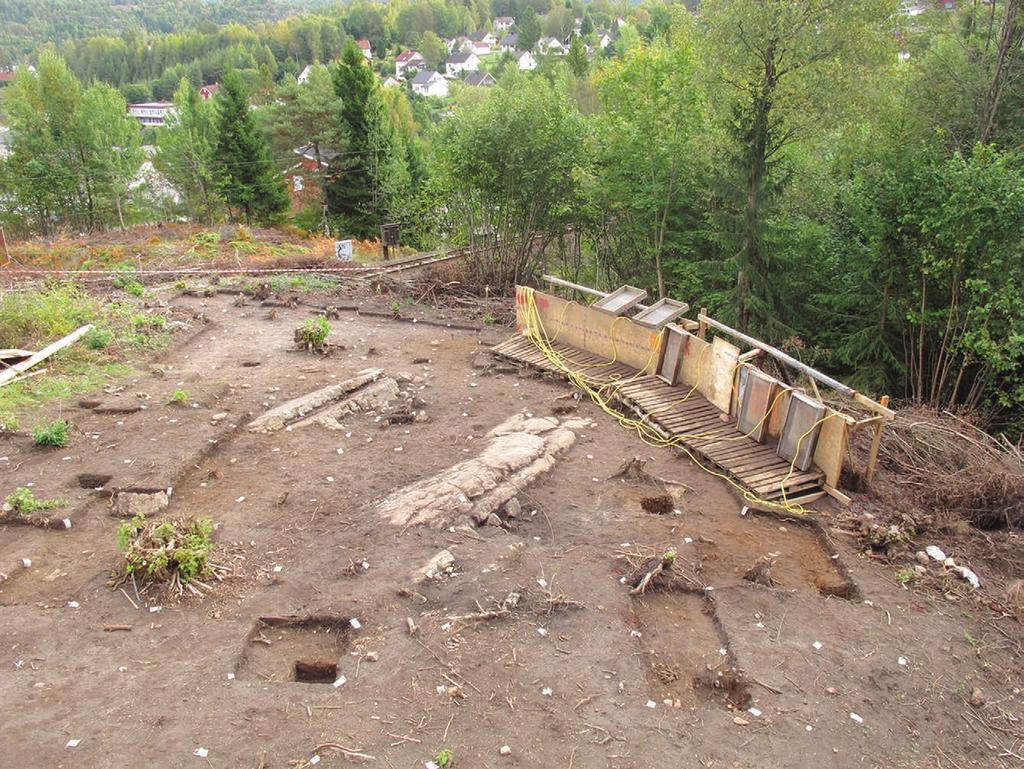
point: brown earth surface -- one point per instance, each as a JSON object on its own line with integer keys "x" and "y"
{"x": 663, "y": 679}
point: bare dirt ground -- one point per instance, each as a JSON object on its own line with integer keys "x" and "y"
{"x": 734, "y": 675}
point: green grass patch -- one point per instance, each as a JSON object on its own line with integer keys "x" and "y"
{"x": 55, "y": 434}
{"x": 301, "y": 282}
{"x": 24, "y": 502}
{"x": 32, "y": 319}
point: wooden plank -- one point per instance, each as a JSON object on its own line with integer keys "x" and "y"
{"x": 18, "y": 368}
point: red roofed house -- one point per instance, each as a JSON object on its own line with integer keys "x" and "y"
{"x": 364, "y": 46}
{"x": 408, "y": 61}
{"x": 209, "y": 91}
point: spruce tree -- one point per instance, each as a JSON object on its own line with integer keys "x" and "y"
{"x": 246, "y": 177}
{"x": 369, "y": 180}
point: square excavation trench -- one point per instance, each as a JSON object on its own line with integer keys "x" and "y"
{"x": 295, "y": 649}
{"x": 682, "y": 646}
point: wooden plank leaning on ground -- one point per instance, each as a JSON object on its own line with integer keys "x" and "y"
{"x": 12, "y": 372}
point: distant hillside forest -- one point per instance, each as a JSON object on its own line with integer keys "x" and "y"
{"x": 145, "y": 50}
{"x": 27, "y": 24}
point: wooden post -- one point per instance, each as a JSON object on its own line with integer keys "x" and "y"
{"x": 702, "y": 329}
{"x": 876, "y": 442}
{"x": 3, "y": 240}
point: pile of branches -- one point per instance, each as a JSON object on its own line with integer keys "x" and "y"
{"x": 177, "y": 554}
{"x": 953, "y": 467}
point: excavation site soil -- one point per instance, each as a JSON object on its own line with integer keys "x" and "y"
{"x": 438, "y": 565}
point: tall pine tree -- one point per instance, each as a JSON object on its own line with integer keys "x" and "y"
{"x": 246, "y": 177}
{"x": 368, "y": 181}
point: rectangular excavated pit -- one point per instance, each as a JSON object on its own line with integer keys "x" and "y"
{"x": 295, "y": 649}
{"x": 685, "y": 651}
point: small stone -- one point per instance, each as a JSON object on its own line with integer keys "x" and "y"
{"x": 740, "y": 721}
{"x": 949, "y": 563}
{"x": 922, "y": 557}
{"x": 857, "y": 718}
{"x": 219, "y": 417}
{"x": 505, "y": 750}
{"x": 513, "y": 508}
{"x": 977, "y": 698}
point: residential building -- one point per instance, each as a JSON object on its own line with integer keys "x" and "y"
{"x": 503, "y": 23}
{"x": 364, "y": 46}
{"x": 7, "y": 77}
{"x": 408, "y": 62}
{"x": 484, "y": 38}
{"x": 509, "y": 42}
{"x": 461, "y": 44}
{"x": 429, "y": 83}
{"x": 151, "y": 114}
{"x": 548, "y": 45}
{"x": 391, "y": 81}
{"x": 208, "y": 91}
{"x": 485, "y": 79}
{"x": 604, "y": 38}
{"x": 462, "y": 62}
{"x": 304, "y": 75}
{"x": 525, "y": 61}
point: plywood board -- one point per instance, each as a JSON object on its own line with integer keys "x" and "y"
{"x": 832, "y": 442}
{"x": 606, "y": 336}
{"x": 719, "y": 373}
{"x": 695, "y": 354}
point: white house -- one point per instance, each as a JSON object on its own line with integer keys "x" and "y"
{"x": 462, "y": 62}
{"x": 461, "y": 44}
{"x": 304, "y": 75}
{"x": 153, "y": 113}
{"x": 550, "y": 45}
{"x": 509, "y": 42}
{"x": 429, "y": 83}
{"x": 484, "y": 38}
{"x": 503, "y": 23}
{"x": 525, "y": 61}
{"x": 603, "y": 38}
{"x": 391, "y": 81}
{"x": 407, "y": 62}
{"x": 364, "y": 46}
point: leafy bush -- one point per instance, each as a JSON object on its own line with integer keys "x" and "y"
{"x": 167, "y": 550}
{"x": 56, "y": 433}
{"x": 180, "y": 397}
{"x": 98, "y": 339}
{"x": 23, "y": 502}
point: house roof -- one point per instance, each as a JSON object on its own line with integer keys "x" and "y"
{"x": 480, "y": 78}
{"x": 424, "y": 76}
{"x": 504, "y": 20}
{"x": 308, "y": 151}
{"x": 460, "y": 57}
{"x": 476, "y": 37}
{"x": 364, "y": 44}
{"x": 7, "y": 76}
{"x": 510, "y": 39}
{"x": 405, "y": 56}
{"x": 521, "y": 54}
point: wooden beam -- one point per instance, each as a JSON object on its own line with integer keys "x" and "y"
{"x": 12, "y": 372}
{"x": 876, "y": 442}
{"x": 836, "y": 494}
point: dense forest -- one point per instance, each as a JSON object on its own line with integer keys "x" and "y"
{"x": 845, "y": 180}
{"x": 27, "y": 24}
